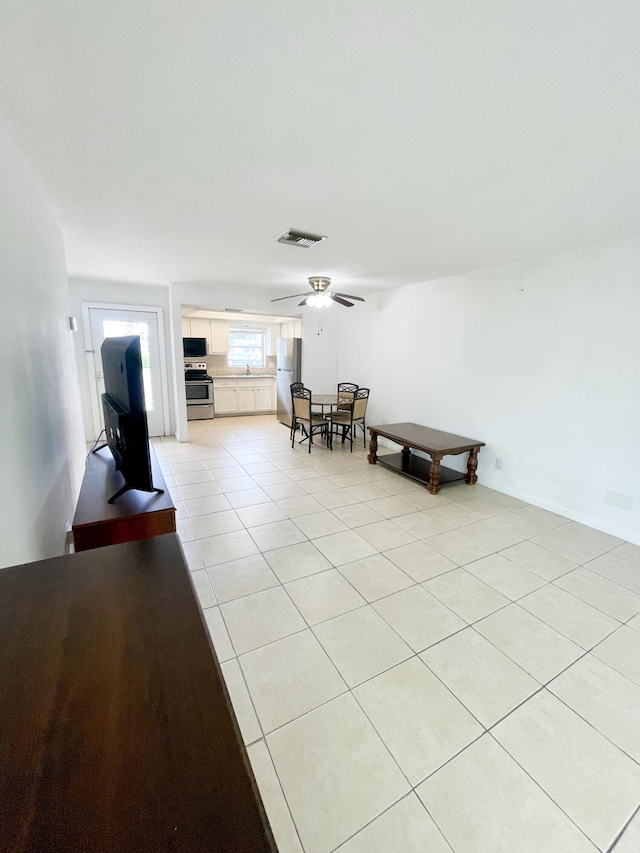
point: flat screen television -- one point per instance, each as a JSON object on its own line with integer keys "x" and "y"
{"x": 125, "y": 416}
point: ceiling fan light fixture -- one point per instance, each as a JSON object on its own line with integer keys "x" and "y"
{"x": 319, "y": 300}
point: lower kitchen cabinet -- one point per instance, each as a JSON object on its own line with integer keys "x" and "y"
{"x": 225, "y": 400}
{"x": 263, "y": 399}
{"x": 243, "y": 396}
{"x": 246, "y": 398}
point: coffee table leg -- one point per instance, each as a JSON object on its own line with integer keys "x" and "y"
{"x": 433, "y": 486}
{"x": 472, "y": 465}
{"x": 373, "y": 449}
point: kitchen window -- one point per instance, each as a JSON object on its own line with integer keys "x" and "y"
{"x": 247, "y": 346}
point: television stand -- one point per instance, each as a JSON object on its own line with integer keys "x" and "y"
{"x": 137, "y": 514}
{"x": 126, "y": 486}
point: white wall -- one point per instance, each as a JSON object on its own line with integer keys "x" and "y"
{"x": 41, "y": 442}
{"x": 540, "y": 359}
{"x": 114, "y": 293}
{"x": 319, "y": 351}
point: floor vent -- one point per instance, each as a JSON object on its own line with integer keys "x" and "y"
{"x": 300, "y": 238}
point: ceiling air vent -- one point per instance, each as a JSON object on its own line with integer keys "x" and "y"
{"x": 300, "y": 238}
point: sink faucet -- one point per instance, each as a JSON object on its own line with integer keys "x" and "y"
{"x": 248, "y": 371}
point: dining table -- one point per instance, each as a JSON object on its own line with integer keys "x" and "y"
{"x": 329, "y": 400}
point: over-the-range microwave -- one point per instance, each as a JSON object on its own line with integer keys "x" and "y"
{"x": 194, "y": 347}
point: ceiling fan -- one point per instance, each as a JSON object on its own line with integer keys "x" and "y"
{"x": 321, "y": 297}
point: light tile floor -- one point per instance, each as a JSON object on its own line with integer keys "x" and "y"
{"x": 413, "y": 673}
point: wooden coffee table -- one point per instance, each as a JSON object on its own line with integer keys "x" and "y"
{"x": 432, "y": 441}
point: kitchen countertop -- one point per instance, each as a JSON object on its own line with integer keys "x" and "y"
{"x": 245, "y": 376}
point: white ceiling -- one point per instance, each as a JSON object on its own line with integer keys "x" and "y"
{"x": 176, "y": 141}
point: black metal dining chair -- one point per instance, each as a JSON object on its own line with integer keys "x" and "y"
{"x": 354, "y": 417}
{"x": 301, "y": 400}
{"x": 346, "y": 393}
{"x": 295, "y": 386}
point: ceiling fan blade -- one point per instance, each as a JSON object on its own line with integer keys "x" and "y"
{"x": 336, "y": 298}
{"x": 304, "y": 301}
{"x": 293, "y": 296}
{"x": 347, "y": 296}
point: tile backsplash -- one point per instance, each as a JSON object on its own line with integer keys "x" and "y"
{"x": 217, "y": 366}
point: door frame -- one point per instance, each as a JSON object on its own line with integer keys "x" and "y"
{"x": 90, "y": 356}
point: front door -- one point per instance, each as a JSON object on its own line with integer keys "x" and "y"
{"x": 115, "y": 323}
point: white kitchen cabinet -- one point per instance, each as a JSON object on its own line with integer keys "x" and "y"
{"x": 225, "y": 396}
{"x": 219, "y": 336}
{"x": 274, "y": 334}
{"x": 263, "y": 399}
{"x": 255, "y": 394}
{"x": 201, "y": 329}
{"x": 293, "y": 329}
{"x": 215, "y": 331}
{"x": 263, "y": 392}
{"x": 246, "y": 397}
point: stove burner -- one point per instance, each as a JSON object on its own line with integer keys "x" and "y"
{"x": 195, "y": 371}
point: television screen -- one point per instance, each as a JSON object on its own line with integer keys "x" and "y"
{"x": 125, "y": 416}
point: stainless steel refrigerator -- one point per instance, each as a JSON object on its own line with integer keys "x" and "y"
{"x": 289, "y": 364}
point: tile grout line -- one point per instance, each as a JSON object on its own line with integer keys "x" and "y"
{"x": 416, "y": 654}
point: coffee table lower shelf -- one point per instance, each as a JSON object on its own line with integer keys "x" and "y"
{"x": 418, "y": 468}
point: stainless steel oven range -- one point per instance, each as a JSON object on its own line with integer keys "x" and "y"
{"x": 199, "y": 391}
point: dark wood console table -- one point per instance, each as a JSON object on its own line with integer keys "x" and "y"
{"x": 135, "y": 514}
{"x": 117, "y": 735}
{"x": 432, "y": 441}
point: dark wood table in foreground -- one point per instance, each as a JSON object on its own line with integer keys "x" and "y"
{"x": 432, "y": 441}
{"x": 116, "y": 733}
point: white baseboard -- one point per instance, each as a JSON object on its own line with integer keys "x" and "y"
{"x": 544, "y": 503}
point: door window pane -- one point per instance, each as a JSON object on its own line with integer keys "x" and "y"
{"x": 120, "y": 328}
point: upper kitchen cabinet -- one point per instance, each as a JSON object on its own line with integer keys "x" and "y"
{"x": 201, "y": 329}
{"x": 215, "y": 331}
{"x": 293, "y": 329}
{"x": 193, "y": 328}
{"x": 273, "y": 333}
{"x": 219, "y": 339}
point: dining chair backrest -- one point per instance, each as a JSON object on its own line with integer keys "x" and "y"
{"x": 301, "y": 398}
{"x": 346, "y": 391}
{"x": 360, "y": 404}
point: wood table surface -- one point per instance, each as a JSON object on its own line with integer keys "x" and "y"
{"x": 434, "y": 442}
{"x": 134, "y": 515}
{"x": 425, "y": 438}
{"x": 116, "y": 733}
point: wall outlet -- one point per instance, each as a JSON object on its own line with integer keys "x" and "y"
{"x": 619, "y": 500}
{"x": 499, "y": 463}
